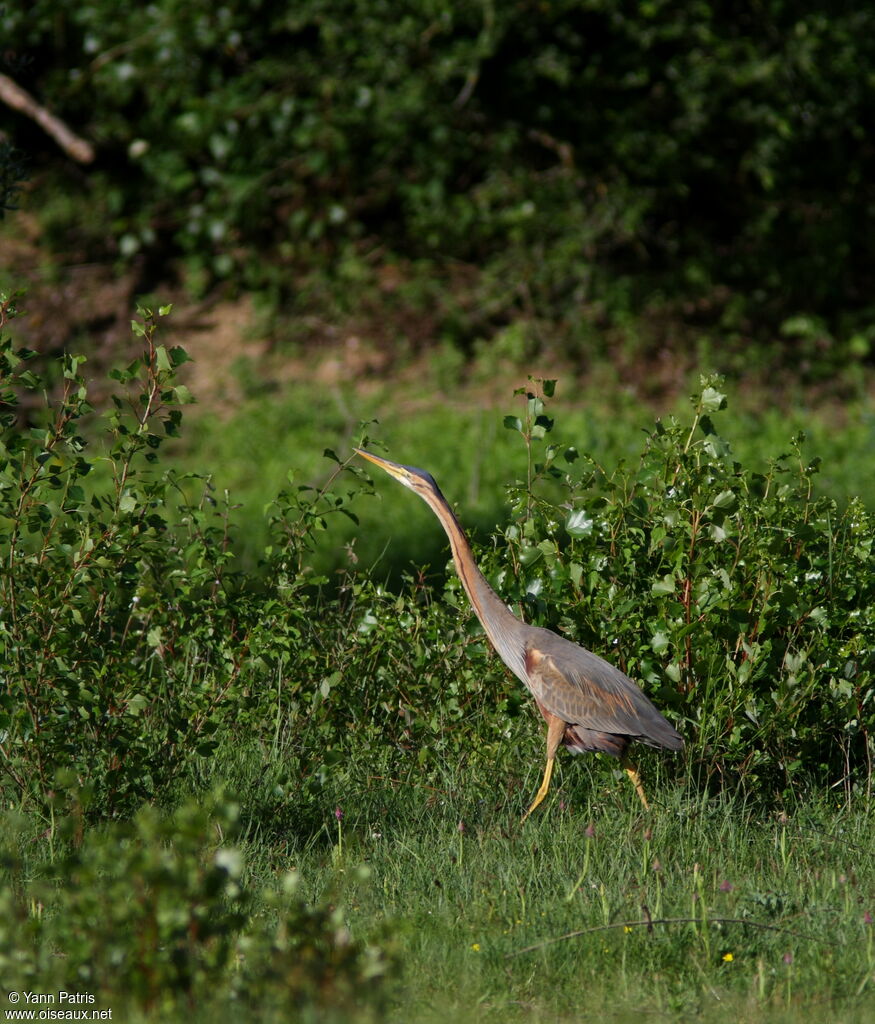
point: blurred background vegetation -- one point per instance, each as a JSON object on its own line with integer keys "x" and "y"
{"x": 563, "y": 164}
{"x": 396, "y": 210}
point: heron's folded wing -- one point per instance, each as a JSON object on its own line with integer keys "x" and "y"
{"x": 584, "y": 689}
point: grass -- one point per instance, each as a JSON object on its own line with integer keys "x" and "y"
{"x": 455, "y": 431}
{"x": 704, "y": 909}
{"x": 756, "y": 915}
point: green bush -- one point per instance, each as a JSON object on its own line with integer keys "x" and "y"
{"x": 744, "y": 604}
{"x": 585, "y": 157}
{"x": 160, "y": 914}
{"x": 116, "y": 633}
{"x": 129, "y": 644}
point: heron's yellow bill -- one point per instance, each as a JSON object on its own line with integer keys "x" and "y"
{"x": 392, "y": 468}
{"x": 414, "y": 479}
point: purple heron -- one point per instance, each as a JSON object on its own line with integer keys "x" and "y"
{"x": 587, "y": 703}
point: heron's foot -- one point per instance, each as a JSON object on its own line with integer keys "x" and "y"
{"x": 632, "y": 772}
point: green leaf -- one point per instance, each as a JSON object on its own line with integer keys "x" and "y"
{"x": 162, "y": 359}
{"x": 326, "y": 685}
{"x": 664, "y": 586}
{"x": 673, "y": 671}
{"x": 820, "y": 616}
{"x": 579, "y": 523}
{"x": 717, "y": 447}
{"x": 718, "y": 533}
{"x": 542, "y": 425}
{"x": 513, "y": 423}
{"x": 136, "y": 704}
{"x": 659, "y": 642}
{"x": 713, "y": 400}
{"x": 530, "y": 555}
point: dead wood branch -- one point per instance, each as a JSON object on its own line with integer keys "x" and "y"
{"x": 16, "y": 97}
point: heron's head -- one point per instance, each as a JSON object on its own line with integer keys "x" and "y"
{"x": 416, "y": 479}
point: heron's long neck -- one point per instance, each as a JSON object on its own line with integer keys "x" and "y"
{"x": 501, "y": 625}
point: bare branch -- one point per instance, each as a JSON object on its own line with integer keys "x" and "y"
{"x": 16, "y": 97}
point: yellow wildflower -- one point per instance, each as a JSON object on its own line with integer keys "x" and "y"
{"x": 728, "y": 958}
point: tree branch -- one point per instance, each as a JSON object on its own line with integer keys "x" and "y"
{"x": 16, "y": 97}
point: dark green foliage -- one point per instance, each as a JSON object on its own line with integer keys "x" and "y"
{"x": 580, "y": 153}
{"x": 106, "y": 608}
{"x": 13, "y": 172}
{"x": 160, "y": 913}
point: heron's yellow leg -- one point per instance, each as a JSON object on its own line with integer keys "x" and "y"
{"x": 632, "y": 772}
{"x": 542, "y": 792}
{"x": 555, "y": 732}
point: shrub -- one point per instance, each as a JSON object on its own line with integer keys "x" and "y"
{"x": 742, "y": 603}
{"x": 745, "y": 605}
{"x": 159, "y": 912}
{"x": 117, "y": 636}
{"x": 130, "y": 647}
